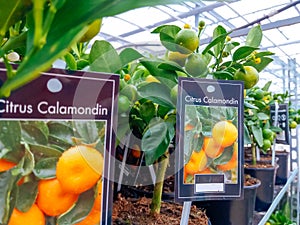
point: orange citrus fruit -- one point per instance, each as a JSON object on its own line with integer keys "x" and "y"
{"x": 197, "y": 162}
{"x": 184, "y": 175}
{"x": 211, "y": 148}
{"x": 33, "y": 216}
{"x": 189, "y": 127}
{"x": 7, "y": 165}
{"x": 52, "y": 200}
{"x": 207, "y": 170}
{"x": 186, "y": 41}
{"x": 79, "y": 168}
{"x": 127, "y": 77}
{"x": 224, "y": 133}
{"x": 232, "y": 163}
{"x": 136, "y": 151}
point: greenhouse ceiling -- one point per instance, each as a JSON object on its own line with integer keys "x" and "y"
{"x": 279, "y": 19}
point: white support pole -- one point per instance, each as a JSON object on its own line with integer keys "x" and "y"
{"x": 185, "y": 213}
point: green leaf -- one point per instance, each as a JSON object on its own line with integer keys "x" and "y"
{"x": 191, "y": 114}
{"x": 224, "y": 157}
{"x": 216, "y": 41}
{"x": 254, "y": 37}
{"x": 64, "y": 32}
{"x": 230, "y": 46}
{"x": 128, "y": 55}
{"x": 170, "y": 65}
{"x": 11, "y": 12}
{"x": 156, "y": 140}
{"x": 71, "y": 62}
{"x": 80, "y": 210}
{"x": 44, "y": 151}
{"x": 15, "y": 43}
{"x": 167, "y": 36}
{"x": 263, "y": 54}
{"x": 219, "y": 31}
{"x": 7, "y": 195}
{"x": 60, "y": 132}
{"x": 247, "y": 138}
{"x": 26, "y": 195}
{"x": 104, "y": 58}
{"x": 32, "y": 134}
{"x": 257, "y": 133}
{"x": 267, "y": 86}
{"x": 45, "y": 168}
{"x": 224, "y": 75}
{"x": 191, "y": 143}
{"x": 167, "y": 77}
{"x": 265, "y": 61}
{"x": 262, "y": 116}
{"x": 41, "y": 125}
{"x": 28, "y": 162}
{"x": 194, "y": 118}
{"x": 158, "y": 29}
{"x": 59, "y": 144}
{"x": 156, "y": 92}
{"x": 123, "y": 127}
{"x": 242, "y": 52}
{"x": 10, "y": 135}
{"x": 87, "y": 130}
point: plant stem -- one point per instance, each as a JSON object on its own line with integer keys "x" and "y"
{"x": 253, "y": 150}
{"x": 158, "y": 188}
{"x": 38, "y": 15}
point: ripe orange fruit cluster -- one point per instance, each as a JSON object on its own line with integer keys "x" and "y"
{"x": 78, "y": 169}
{"x": 197, "y": 163}
{"x": 224, "y": 134}
{"x": 211, "y": 147}
{"x": 6, "y": 165}
{"x": 33, "y": 216}
{"x": 232, "y": 163}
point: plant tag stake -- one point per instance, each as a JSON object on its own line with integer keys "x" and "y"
{"x": 281, "y": 118}
{"x": 209, "y": 155}
{"x": 50, "y": 115}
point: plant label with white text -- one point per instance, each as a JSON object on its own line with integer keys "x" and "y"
{"x": 59, "y": 131}
{"x": 209, "y": 139}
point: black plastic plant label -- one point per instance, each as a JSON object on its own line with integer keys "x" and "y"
{"x": 58, "y": 132}
{"x": 282, "y": 121}
{"x": 209, "y": 154}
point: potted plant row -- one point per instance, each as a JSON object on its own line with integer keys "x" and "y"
{"x": 148, "y": 84}
{"x": 223, "y": 58}
{"x": 272, "y": 166}
{"x": 33, "y": 35}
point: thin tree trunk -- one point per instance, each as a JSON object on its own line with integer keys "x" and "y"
{"x": 253, "y": 149}
{"x": 158, "y": 188}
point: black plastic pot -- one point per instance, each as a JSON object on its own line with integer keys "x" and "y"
{"x": 265, "y": 192}
{"x": 231, "y": 212}
{"x": 283, "y": 170}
